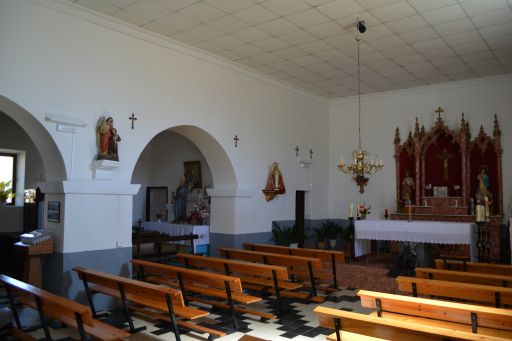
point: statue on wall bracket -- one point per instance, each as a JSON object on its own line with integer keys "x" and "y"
{"x": 107, "y": 139}
{"x": 275, "y": 183}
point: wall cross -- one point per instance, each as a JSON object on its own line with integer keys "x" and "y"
{"x": 133, "y": 119}
{"x": 236, "y": 139}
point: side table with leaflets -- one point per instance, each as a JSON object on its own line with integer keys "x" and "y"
{"x": 34, "y": 248}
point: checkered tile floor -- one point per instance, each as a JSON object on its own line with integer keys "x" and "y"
{"x": 297, "y": 323}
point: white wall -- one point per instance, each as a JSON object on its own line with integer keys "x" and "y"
{"x": 13, "y": 137}
{"x": 62, "y": 60}
{"x": 161, "y": 164}
{"x": 479, "y": 100}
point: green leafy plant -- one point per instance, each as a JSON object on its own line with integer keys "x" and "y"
{"x": 283, "y": 235}
{"x": 5, "y": 191}
{"x": 329, "y": 230}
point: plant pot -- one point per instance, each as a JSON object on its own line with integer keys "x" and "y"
{"x": 321, "y": 245}
{"x": 294, "y": 245}
{"x": 332, "y": 243}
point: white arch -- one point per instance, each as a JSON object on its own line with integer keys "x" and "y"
{"x": 54, "y": 166}
{"x": 223, "y": 174}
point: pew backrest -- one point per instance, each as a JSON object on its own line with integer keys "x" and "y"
{"x": 390, "y": 329}
{"x": 487, "y": 268}
{"x": 272, "y": 258}
{"x": 229, "y": 266}
{"x": 467, "y": 291}
{"x": 326, "y": 256}
{"x": 465, "y": 277}
{"x": 469, "y": 314}
{"x": 140, "y": 292}
{"x": 217, "y": 281}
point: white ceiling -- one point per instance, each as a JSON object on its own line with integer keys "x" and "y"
{"x": 310, "y": 43}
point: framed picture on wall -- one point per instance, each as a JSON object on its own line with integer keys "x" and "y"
{"x": 193, "y": 173}
{"x": 53, "y": 211}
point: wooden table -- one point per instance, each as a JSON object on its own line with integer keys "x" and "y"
{"x": 33, "y": 272}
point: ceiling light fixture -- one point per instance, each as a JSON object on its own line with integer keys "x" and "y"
{"x": 362, "y": 163}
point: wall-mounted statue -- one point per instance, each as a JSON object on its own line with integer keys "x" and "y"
{"x": 275, "y": 183}
{"x": 107, "y": 139}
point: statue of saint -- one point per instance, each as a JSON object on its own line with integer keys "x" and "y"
{"x": 180, "y": 202}
{"x": 107, "y": 139}
{"x": 276, "y": 179}
{"x": 484, "y": 186}
{"x": 408, "y": 187}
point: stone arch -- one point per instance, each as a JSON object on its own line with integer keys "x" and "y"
{"x": 53, "y": 162}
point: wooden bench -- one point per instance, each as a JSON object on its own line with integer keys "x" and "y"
{"x": 330, "y": 259}
{"x": 293, "y": 263}
{"x": 253, "y": 275}
{"x": 485, "y": 321}
{"x": 228, "y": 288}
{"x": 157, "y": 239}
{"x": 486, "y": 268}
{"x": 147, "y": 298}
{"x": 353, "y": 326}
{"x": 464, "y": 277}
{"x": 59, "y": 308}
{"x": 454, "y": 290}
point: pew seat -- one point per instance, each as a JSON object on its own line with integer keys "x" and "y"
{"x": 59, "y": 308}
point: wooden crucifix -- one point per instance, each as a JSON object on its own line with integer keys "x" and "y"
{"x": 445, "y": 156}
{"x": 133, "y": 119}
{"x": 297, "y": 151}
{"x": 236, "y": 139}
{"x": 439, "y": 111}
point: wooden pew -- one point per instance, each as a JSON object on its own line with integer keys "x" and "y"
{"x": 294, "y": 263}
{"x": 486, "y": 268}
{"x": 330, "y": 259}
{"x": 147, "y": 298}
{"x": 484, "y": 321}
{"x": 464, "y": 277}
{"x": 253, "y": 275}
{"x": 228, "y": 288}
{"x": 59, "y": 308}
{"x": 353, "y": 326}
{"x": 486, "y": 294}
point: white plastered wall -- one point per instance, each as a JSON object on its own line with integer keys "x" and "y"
{"x": 479, "y": 100}
{"x": 65, "y": 61}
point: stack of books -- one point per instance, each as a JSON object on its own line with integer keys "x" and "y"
{"x": 36, "y": 237}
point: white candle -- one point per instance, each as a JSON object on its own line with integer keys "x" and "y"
{"x": 351, "y": 212}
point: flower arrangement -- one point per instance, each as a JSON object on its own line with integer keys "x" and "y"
{"x": 199, "y": 216}
{"x": 363, "y": 210}
{"x": 159, "y": 214}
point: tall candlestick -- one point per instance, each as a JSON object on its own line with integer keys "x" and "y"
{"x": 410, "y": 213}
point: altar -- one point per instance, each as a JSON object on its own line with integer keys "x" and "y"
{"x": 433, "y": 232}
{"x": 201, "y": 244}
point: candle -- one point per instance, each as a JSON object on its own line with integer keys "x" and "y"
{"x": 410, "y": 207}
{"x": 351, "y": 212}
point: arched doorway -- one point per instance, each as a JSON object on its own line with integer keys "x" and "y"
{"x": 161, "y": 165}
{"x": 37, "y": 161}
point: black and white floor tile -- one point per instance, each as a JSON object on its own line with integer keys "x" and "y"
{"x": 298, "y": 323}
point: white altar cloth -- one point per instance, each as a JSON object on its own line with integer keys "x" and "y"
{"x": 434, "y": 232}
{"x": 203, "y": 231}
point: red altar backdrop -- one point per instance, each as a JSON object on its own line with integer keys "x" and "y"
{"x": 444, "y": 157}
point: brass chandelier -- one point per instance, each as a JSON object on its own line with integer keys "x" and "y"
{"x": 362, "y": 163}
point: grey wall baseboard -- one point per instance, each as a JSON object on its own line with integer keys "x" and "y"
{"x": 60, "y": 278}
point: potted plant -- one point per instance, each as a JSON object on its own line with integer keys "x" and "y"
{"x": 287, "y": 236}
{"x": 320, "y": 237}
{"x": 330, "y": 231}
{"x": 5, "y": 191}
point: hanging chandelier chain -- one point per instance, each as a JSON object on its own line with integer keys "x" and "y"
{"x": 359, "y": 90}
{"x": 362, "y": 162}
